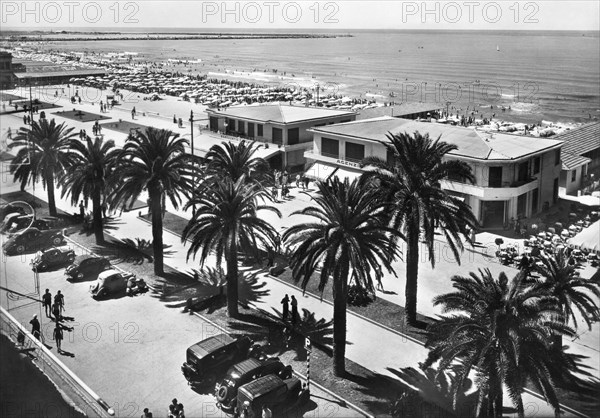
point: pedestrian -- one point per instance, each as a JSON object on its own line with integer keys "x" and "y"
{"x": 99, "y": 129}
{"x": 297, "y": 181}
{"x": 285, "y": 307}
{"x": 180, "y": 412}
{"x": 56, "y": 312}
{"x": 79, "y": 99}
{"x": 57, "y": 336}
{"x": 59, "y": 299}
{"x": 9, "y": 133}
{"x": 306, "y": 182}
{"x": 147, "y": 413}
{"x": 25, "y": 119}
{"x": 47, "y": 303}
{"x": 94, "y": 130}
{"x": 294, "y": 309}
{"x": 35, "y": 327}
{"x": 174, "y": 119}
{"x": 266, "y": 412}
{"x": 173, "y": 407}
{"x": 81, "y": 209}
{"x": 133, "y": 114}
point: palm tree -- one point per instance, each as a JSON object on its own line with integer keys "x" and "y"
{"x": 499, "y": 329}
{"x": 154, "y": 161}
{"x": 412, "y": 183}
{"x": 571, "y": 291}
{"x": 86, "y": 176}
{"x": 225, "y": 221}
{"x": 350, "y": 236}
{"x": 237, "y": 160}
{"x": 43, "y": 153}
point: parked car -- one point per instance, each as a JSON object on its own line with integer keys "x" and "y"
{"x": 87, "y": 266}
{"x": 10, "y": 208}
{"x": 244, "y": 372}
{"x": 32, "y": 239}
{"x": 110, "y": 282}
{"x": 52, "y": 257}
{"x": 279, "y": 395}
{"x": 212, "y": 356}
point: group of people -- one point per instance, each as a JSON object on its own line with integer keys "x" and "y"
{"x": 96, "y": 129}
{"x": 175, "y": 409}
{"x": 54, "y": 311}
{"x": 104, "y": 107}
{"x": 286, "y": 302}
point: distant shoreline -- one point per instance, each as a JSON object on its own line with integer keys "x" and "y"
{"x": 155, "y": 36}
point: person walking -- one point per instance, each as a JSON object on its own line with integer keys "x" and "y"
{"x": 56, "y": 312}
{"x": 47, "y": 303}
{"x": 9, "y": 133}
{"x": 59, "y": 299}
{"x": 57, "y": 336}
{"x": 35, "y": 327}
{"x": 294, "y": 310}
{"x": 147, "y": 413}
{"x": 285, "y": 309}
{"x": 297, "y": 181}
{"x": 81, "y": 209}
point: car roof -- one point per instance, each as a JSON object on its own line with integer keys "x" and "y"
{"x": 261, "y": 386}
{"x": 83, "y": 257}
{"x": 108, "y": 273}
{"x": 212, "y": 344}
{"x": 245, "y": 366}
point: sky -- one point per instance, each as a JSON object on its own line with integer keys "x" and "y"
{"x": 317, "y": 15}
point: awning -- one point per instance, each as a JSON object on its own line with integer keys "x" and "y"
{"x": 320, "y": 171}
{"x": 266, "y": 153}
{"x": 343, "y": 173}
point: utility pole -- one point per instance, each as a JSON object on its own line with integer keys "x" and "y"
{"x": 192, "y": 131}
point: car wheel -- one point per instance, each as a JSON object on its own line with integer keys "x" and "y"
{"x": 21, "y": 249}
{"x": 222, "y": 393}
{"x": 286, "y": 373}
{"x": 43, "y": 266}
{"x": 57, "y": 240}
{"x": 71, "y": 258}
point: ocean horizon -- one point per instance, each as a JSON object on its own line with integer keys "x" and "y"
{"x": 540, "y": 75}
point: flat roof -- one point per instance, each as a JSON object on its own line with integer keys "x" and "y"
{"x": 400, "y": 110}
{"x": 582, "y": 140}
{"x": 64, "y": 73}
{"x": 470, "y": 143}
{"x": 279, "y": 113}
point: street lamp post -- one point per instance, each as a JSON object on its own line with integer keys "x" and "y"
{"x": 447, "y": 106}
{"x": 192, "y": 130}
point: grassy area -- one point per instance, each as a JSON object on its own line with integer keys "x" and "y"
{"x": 123, "y": 126}
{"x": 80, "y": 115}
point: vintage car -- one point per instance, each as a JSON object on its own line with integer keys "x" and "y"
{"x": 110, "y": 282}
{"x": 212, "y": 356}
{"x": 279, "y": 395}
{"x": 32, "y": 239}
{"x": 244, "y": 372}
{"x": 87, "y": 266}
{"x": 52, "y": 257}
{"x": 10, "y": 208}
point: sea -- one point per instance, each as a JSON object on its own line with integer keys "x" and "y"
{"x": 541, "y": 75}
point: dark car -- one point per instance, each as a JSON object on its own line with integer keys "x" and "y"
{"x": 52, "y": 257}
{"x": 87, "y": 266}
{"x": 32, "y": 239}
{"x": 10, "y": 208}
{"x": 279, "y": 395}
{"x": 244, "y": 372}
{"x": 212, "y": 356}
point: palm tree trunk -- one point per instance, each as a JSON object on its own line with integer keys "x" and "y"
{"x": 340, "y": 294}
{"x": 232, "y": 278}
{"x": 412, "y": 273}
{"x": 97, "y": 209}
{"x": 51, "y": 199}
{"x": 157, "y": 232}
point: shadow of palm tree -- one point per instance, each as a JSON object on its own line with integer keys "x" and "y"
{"x": 280, "y": 336}
{"x": 127, "y": 250}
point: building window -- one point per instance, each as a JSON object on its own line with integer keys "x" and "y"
{"x": 214, "y": 124}
{"x": 522, "y": 205}
{"x": 495, "y": 177}
{"x": 557, "y": 157}
{"x": 277, "y": 136}
{"x": 346, "y": 120}
{"x": 241, "y": 128}
{"x": 259, "y": 130}
{"x": 523, "y": 170}
{"x": 250, "y": 130}
{"x": 573, "y": 175}
{"x": 293, "y": 136}
{"x": 536, "y": 165}
{"x": 355, "y": 152}
{"x": 534, "y": 201}
{"x": 330, "y": 148}
{"x": 555, "y": 191}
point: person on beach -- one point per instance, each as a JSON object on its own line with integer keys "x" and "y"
{"x": 47, "y": 303}
{"x": 35, "y": 327}
{"x": 57, "y": 336}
